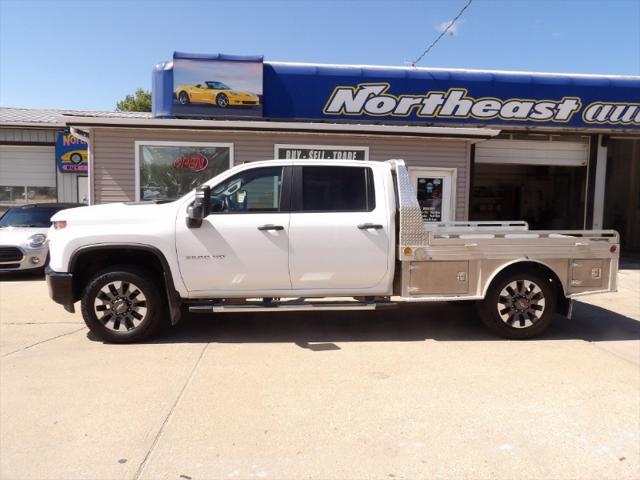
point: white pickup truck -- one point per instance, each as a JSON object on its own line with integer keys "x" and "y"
{"x": 286, "y": 235}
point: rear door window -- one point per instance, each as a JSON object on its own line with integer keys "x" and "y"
{"x": 337, "y": 189}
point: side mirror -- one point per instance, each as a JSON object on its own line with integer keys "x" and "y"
{"x": 200, "y": 208}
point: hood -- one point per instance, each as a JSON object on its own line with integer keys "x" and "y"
{"x": 135, "y": 213}
{"x": 17, "y": 236}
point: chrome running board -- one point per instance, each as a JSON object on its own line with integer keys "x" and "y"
{"x": 290, "y": 307}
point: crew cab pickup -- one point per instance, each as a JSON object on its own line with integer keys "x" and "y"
{"x": 287, "y": 235}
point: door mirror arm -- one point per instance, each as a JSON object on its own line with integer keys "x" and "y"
{"x": 200, "y": 208}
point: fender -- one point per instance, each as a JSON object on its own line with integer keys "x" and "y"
{"x": 564, "y": 305}
{"x": 173, "y": 297}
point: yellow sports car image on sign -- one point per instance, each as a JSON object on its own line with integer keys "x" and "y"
{"x": 74, "y": 161}
{"x": 215, "y": 93}
{"x": 75, "y": 157}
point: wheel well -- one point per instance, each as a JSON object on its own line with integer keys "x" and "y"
{"x": 562, "y": 302}
{"x": 88, "y": 263}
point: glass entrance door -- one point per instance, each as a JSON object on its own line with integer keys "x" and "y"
{"x": 435, "y": 191}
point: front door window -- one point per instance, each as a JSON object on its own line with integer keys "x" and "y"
{"x": 257, "y": 190}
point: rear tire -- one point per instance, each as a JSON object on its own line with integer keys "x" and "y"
{"x": 122, "y": 304}
{"x": 518, "y": 305}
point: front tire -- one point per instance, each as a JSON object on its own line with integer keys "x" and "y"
{"x": 518, "y": 305}
{"x": 183, "y": 98}
{"x": 123, "y": 305}
{"x": 222, "y": 100}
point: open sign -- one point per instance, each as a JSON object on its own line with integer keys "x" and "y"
{"x": 195, "y": 162}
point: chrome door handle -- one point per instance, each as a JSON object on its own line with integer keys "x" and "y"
{"x": 269, "y": 226}
{"x": 370, "y": 226}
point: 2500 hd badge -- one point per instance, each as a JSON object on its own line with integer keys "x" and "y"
{"x": 204, "y": 257}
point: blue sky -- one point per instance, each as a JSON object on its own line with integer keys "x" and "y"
{"x": 90, "y": 54}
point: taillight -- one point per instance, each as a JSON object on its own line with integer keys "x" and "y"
{"x": 60, "y": 224}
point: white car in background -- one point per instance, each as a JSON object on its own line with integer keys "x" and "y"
{"x": 23, "y": 235}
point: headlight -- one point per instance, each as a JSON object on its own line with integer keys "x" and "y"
{"x": 37, "y": 240}
{"x": 59, "y": 224}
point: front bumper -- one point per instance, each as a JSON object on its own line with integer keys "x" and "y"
{"x": 31, "y": 259}
{"x": 238, "y": 102}
{"x": 61, "y": 288}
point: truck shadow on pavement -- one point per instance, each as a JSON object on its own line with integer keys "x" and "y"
{"x": 436, "y": 321}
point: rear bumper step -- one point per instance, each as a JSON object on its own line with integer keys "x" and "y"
{"x": 291, "y": 307}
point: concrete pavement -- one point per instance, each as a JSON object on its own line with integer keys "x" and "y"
{"x": 422, "y": 392}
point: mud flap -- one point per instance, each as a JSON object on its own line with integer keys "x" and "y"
{"x": 174, "y": 301}
{"x": 565, "y": 306}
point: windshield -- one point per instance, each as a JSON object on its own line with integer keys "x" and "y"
{"x": 218, "y": 85}
{"x": 28, "y": 217}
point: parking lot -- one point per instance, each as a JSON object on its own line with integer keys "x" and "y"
{"x": 419, "y": 392}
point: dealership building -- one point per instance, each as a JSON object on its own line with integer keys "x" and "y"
{"x": 30, "y": 168}
{"x": 559, "y": 151}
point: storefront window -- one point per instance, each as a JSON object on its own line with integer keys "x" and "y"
{"x": 12, "y": 195}
{"x": 547, "y": 197}
{"x": 41, "y": 194}
{"x": 168, "y": 171}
